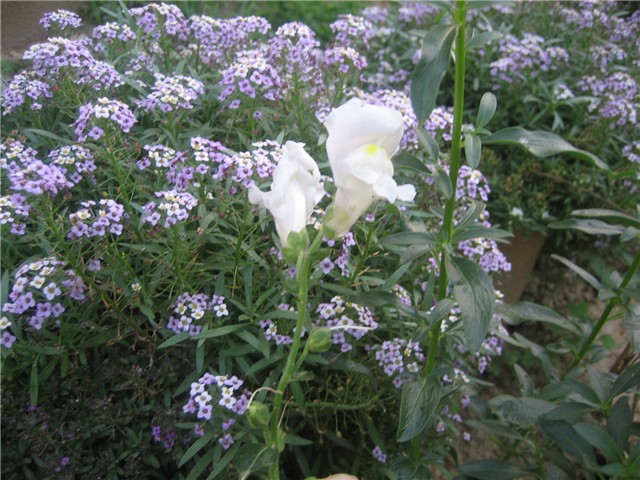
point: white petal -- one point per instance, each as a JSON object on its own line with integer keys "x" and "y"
{"x": 386, "y": 188}
{"x": 256, "y": 196}
{"x": 406, "y": 193}
{"x": 356, "y": 124}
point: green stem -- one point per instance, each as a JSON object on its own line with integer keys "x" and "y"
{"x": 303, "y": 266}
{"x": 238, "y": 252}
{"x": 607, "y": 311}
{"x": 454, "y": 168}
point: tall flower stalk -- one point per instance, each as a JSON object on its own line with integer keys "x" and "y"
{"x": 303, "y": 270}
{"x": 455, "y": 157}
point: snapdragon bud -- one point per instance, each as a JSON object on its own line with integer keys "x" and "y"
{"x": 257, "y": 415}
{"x": 320, "y": 340}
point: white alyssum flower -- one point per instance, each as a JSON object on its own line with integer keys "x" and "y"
{"x": 362, "y": 139}
{"x": 295, "y": 190}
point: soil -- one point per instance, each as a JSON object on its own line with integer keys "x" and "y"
{"x": 20, "y": 24}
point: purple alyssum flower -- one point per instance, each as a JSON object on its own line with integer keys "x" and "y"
{"x": 172, "y": 93}
{"x": 39, "y": 290}
{"x": 14, "y": 211}
{"x": 107, "y": 34}
{"x": 348, "y": 321}
{"x": 104, "y": 113}
{"x": 27, "y": 173}
{"x": 191, "y": 311}
{"x": 25, "y": 88}
{"x": 61, "y": 20}
{"x": 399, "y": 358}
{"x": 218, "y": 401}
{"x": 173, "y": 207}
{"x": 96, "y": 219}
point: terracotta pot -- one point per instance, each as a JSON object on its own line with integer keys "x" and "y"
{"x": 522, "y": 252}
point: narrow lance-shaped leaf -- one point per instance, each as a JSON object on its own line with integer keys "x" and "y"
{"x": 540, "y": 144}
{"x": 493, "y": 470}
{"x": 425, "y": 83}
{"x": 590, "y": 226}
{"x": 419, "y": 400}
{"x": 473, "y": 290}
{"x": 613, "y": 215}
{"x": 586, "y": 276}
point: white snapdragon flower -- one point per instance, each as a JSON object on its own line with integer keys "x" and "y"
{"x": 362, "y": 139}
{"x": 295, "y": 190}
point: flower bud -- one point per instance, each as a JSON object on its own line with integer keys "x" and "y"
{"x": 320, "y": 340}
{"x": 257, "y": 415}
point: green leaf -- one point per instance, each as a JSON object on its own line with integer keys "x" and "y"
{"x": 410, "y": 238}
{"x": 601, "y": 382}
{"x": 175, "y": 339}
{"x": 619, "y": 217}
{"x": 527, "y": 386}
{"x": 219, "y": 332}
{"x": 429, "y": 144}
{"x": 628, "y": 380}
{"x": 31, "y": 132}
{"x": 196, "y": 447}
{"x": 473, "y": 290}
{"x": 586, "y": 276}
{"x": 516, "y": 313}
{"x": 486, "y": 110}
{"x": 414, "y": 251}
{"x": 472, "y": 150}
{"x": 200, "y": 356}
{"x": 570, "y": 412}
{"x": 402, "y": 468}
{"x": 443, "y": 182}
{"x": 482, "y": 39}
{"x": 33, "y": 383}
{"x": 201, "y": 465}
{"x": 374, "y": 298}
{"x": 524, "y": 412}
{"x": 475, "y": 230}
{"x": 419, "y": 400}
{"x": 590, "y": 226}
{"x": 441, "y": 310}
{"x": 471, "y": 214}
{"x": 221, "y": 464}
{"x": 292, "y": 439}
{"x": 631, "y": 325}
{"x": 492, "y": 470}
{"x": 428, "y": 74}
{"x": 600, "y": 439}
{"x": 540, "y": 144}
{"x": 568, "y": 439}
{"x": 99, "y": 339}
{"x": 495, "y": 428}
{"x": 409, "y": 162}
{"x": 585, "y": 391}
{"x": 253, "y": 458}
{"x": 554, "y": 472}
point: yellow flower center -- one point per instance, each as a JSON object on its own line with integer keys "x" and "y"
{"x": 371, "y": 149}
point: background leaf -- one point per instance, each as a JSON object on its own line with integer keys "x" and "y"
{"x": 425, "y": 83}
{"x": 473, "y": 290}
{"x": 419, "y": 400}
{"x": 540, "y": 144}
{"x": 492, "y": 470}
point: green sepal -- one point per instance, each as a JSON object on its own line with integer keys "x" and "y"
{"x": 320, "y": 340}
{"x": 257, "y": 415}
{"x": 297, "y": 242}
